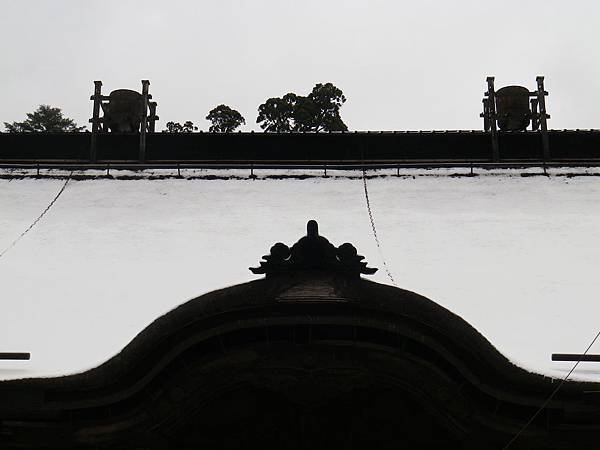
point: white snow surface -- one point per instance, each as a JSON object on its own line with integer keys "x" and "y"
{"x": 517, "y": 257}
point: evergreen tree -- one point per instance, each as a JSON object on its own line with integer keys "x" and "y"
{"x": 44, "y": 119}
{"x": 224, "y": 119}
{"x": 176, "y": 127}
{"x": 318, "y": 111}
{"x": 277, "y": 114}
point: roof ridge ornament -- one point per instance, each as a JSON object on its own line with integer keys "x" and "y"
{"x": 313, "y": 253}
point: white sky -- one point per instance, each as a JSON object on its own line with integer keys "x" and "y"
{"x": 402, "y": 65}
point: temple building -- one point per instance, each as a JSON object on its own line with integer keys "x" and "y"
{"x": 447, "y": 345}
{"x": 485, "y": 241}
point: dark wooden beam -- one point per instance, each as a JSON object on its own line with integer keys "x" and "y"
{"x": 491, "y": 95}
{"x": 144, "y": 123}
{"x": 573, "y": 357}
{"x": 15, "y": 356}
{"x": 541, "y": 97}
{"x": 95, "y": 120}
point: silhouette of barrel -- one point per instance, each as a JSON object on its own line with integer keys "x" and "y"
{"x": 123, "y": 114}
{"x": 512, "y": 108}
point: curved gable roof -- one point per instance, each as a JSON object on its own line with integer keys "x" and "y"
{"x": 444, "y": 355}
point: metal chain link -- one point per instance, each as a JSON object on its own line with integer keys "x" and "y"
{"x": 385, "y": 266}
{"x": 13, "y": 243}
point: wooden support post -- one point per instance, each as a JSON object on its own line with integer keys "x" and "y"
{"x": 535, "y": 117}
{"x": 541, "y": 98}
{"x": 486, "y": 115}
{"x": 95, "y": 120}
{"x": 144, "y": 121}
{"x": 152, "y": 118}
{"x": 491, "y": 104}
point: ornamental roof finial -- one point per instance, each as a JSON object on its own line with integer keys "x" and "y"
{"x": 313, "y": 253}
{"x": 312, "y": 228}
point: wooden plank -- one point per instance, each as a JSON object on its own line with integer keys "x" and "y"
{"x": 15, "y": 356}
{"x": 573, "y": 357}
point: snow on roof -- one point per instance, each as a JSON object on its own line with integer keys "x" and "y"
{"x": 515, "y": 256}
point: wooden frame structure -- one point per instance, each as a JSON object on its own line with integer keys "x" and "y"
{"x": 147, "y": 120}
{"x": 539, "y": 116}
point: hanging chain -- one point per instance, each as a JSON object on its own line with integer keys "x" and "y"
{"x": 385, "y": 266}
{"x": 13, "y": 243}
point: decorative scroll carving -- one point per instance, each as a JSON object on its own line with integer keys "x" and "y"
{"x": 313, "y": 253}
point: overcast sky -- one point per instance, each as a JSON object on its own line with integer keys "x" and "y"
{"x": 402, "y": 65}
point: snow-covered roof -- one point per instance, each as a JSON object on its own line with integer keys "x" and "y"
{"x": 516, "y": 256}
